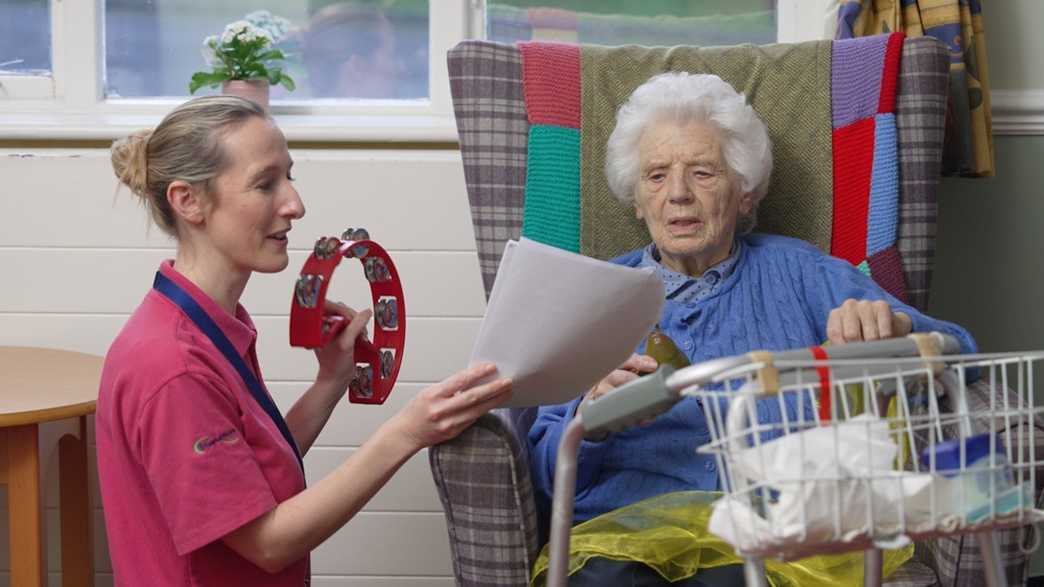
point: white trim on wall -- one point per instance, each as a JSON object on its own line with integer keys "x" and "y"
{"x": 1017, "y": 112}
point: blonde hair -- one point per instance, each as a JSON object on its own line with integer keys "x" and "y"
{"x": 186, "y": 146}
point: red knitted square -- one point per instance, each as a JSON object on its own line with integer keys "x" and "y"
{"x": 853, "y": 162}
{"x": 551, "y": 83}
{"x": 890, "y": 73}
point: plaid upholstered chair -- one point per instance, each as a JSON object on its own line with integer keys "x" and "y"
{"x": 533, "y": 120}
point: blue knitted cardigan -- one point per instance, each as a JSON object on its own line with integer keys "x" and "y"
{"x": 778, "y": 297}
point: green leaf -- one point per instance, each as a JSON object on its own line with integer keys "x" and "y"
{"x": 286, "y": 82}
{"x": 203, "y": 78}
{"x": 258, "y": 44}
{"x": 254, "y": 70}
{"x": 270, "y": 55}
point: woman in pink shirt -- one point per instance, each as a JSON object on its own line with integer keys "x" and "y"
{"x": 201, "y": 476}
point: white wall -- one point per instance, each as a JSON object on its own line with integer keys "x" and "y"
{"x": 75, "y": 260}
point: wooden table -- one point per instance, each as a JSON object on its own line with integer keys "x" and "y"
{"x": 41, "y": 385}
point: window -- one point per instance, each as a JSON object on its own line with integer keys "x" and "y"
{"x": 336, "y": 49}
{"x": 623, "y": 22}
{"x": 365, "y": 70}
{"x": 25, "y": 49}
{"x": 25, "y": 37}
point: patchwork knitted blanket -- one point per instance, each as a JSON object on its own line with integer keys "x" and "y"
{"x": 829, "y": 107}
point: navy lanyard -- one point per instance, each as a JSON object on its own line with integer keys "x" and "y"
{"x": 183, "y": 300}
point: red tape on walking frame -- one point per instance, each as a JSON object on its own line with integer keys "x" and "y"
{"x": 824, "y": 383}
{"x": 377, "y": 363}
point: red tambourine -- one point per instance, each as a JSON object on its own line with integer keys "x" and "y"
{"x": 376, "y": 363}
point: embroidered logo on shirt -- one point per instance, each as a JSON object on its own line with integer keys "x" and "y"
{"x": 204, "y": 442}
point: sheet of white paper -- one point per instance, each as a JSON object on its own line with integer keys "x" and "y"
{"x": 558, "y": 322}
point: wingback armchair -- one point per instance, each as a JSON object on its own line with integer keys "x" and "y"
{"x": 483, "y": 476}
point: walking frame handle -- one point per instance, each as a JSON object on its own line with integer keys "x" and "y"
{"x": 927, "y": 345}
{"x": 654, "y": 394}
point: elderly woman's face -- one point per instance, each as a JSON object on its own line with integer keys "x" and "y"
{"x": 687, "y": 197}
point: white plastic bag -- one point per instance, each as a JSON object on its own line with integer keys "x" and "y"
{"x": 829, "y": 483}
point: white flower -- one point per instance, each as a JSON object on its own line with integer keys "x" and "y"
{"x": 245, "y": 32}
{"x": 209, "y": 55}
{"x": 232, "y": 30}
{"x": 276, "y": 26}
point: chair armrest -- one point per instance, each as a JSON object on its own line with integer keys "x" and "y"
{"x": 483, "y": 481}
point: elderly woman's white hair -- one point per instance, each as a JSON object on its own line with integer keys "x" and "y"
{"x": 684, "y": 97}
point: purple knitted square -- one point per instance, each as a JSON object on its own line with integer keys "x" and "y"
{"x": 855, "y": 84}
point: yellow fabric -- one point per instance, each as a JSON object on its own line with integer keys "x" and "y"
{"x": 669, "y": 533}
{"x": 969, "y": 132}
{"x": 897, "y": 422}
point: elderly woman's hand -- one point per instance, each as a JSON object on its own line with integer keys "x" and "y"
{"x": 857, "y": 320}
{"x": 631, "y": 369}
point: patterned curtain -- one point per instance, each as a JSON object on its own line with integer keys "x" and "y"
{"x": 968, "y": 146}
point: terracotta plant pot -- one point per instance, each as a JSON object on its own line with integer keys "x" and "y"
{"x": 255, "y": 90}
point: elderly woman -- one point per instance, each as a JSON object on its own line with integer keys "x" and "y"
{"x": 694, "y": 160}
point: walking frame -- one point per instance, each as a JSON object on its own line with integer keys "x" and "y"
{"x": 862, "y": 393}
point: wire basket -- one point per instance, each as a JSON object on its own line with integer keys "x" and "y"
{"x": 832, "y": 455}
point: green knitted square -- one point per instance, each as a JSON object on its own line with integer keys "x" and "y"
{"x": 552, "y": 207}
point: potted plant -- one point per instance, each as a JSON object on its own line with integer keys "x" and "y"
{"x": 244, "y": 59}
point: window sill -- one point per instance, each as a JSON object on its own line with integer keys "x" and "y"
{"x": 354, "y": 128}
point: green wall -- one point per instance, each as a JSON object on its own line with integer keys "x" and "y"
{"x": 1012, "y": 39}
{"x": 989, "y": 273}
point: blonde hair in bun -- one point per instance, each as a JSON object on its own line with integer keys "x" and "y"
{"x": 185, "y": 146}
{"x": 130, "y": 162}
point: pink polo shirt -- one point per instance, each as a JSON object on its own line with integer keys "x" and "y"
{"x": 185, "y": 453}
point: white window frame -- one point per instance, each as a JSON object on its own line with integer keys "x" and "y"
{"x": 70, "y": 104}
{"x": 796, "y": 20}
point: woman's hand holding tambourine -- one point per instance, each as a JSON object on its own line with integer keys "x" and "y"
{"x": 337, "y": 357}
